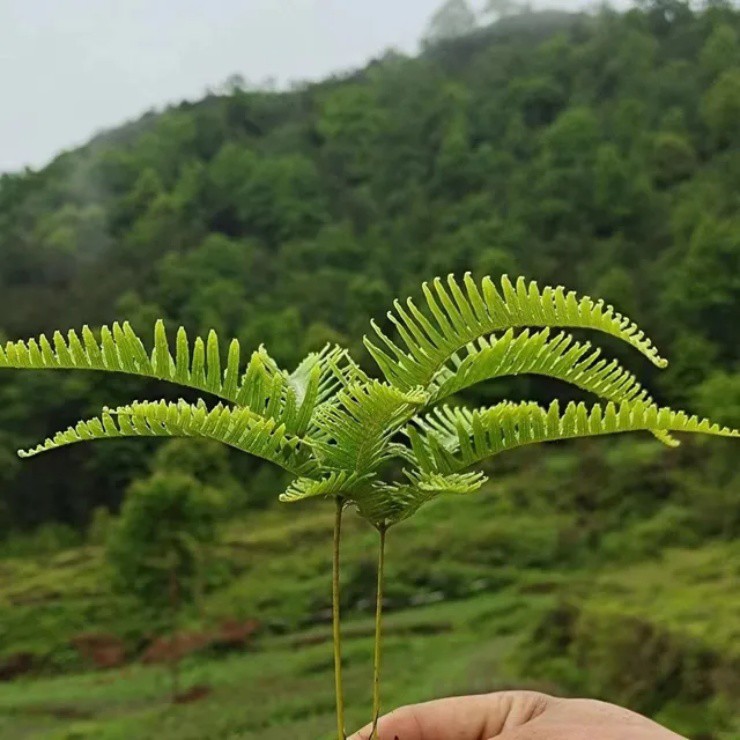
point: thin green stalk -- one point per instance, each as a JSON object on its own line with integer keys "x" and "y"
{"x": 378, "y": 634}
{"x": 341, "y": 731}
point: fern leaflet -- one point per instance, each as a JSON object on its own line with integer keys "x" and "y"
{"x": 387, "y": 504}
{"x": 353, "y": 433}
{"x": 452, "y": 439}
{"x": 335, "y": 484}
{"x": 263, "y": 387}
{"x": 238, "y": 428}
{"x": 458, "y": 315}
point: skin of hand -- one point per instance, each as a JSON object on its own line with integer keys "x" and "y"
{"x": 516, "y": 715}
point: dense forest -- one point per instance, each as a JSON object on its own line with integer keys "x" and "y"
{"x": 601, "y": 152}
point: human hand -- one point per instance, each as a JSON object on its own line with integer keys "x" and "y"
{"x": 516, "y": 715}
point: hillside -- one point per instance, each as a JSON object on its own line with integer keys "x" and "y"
{"x": 601, "y": 152}
{"x": 507, "y": 589}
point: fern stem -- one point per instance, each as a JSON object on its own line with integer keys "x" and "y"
{"x": 336, "y": 625}
{"x": 378, "y": 633}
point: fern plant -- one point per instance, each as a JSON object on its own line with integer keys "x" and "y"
{"x": 343, "y": 434}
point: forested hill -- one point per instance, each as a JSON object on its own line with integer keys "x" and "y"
{"x": 600, "y": 152}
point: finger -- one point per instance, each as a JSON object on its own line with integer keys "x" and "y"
{"x": 462, "y": 718}
{"x": 585, "y": 719}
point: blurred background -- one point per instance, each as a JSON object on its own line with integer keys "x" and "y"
{"x": 281, "y": 172}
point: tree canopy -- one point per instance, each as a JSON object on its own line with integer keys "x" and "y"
{"x": 599, "y": 152}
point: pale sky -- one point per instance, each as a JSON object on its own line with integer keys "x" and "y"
{"x": 69, "y": 68}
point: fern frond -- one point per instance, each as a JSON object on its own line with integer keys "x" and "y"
{"x": 238, "y": 428}
{"x": 559, "y": 357}
{"x": 263, "y": 387}
{"x": 352, "y": 433}
{"x": 387, "y": 504}
{"x": 458, "y": 315}
{"x": 270, "y": 392}
{"x": 338, "y": 370}
{"x": 327, "y": 360}
{"x": 119, "y": 349}
{"x": 335, "y": 484}
{"x": 452, "y": 439}
{"x": 342, "y": 371}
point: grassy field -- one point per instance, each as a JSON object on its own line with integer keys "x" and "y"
{"x": 283, "y": 687}
{"x": 505, "y": 589}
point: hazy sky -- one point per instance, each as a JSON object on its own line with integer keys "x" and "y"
{"x": 69, "y": 68}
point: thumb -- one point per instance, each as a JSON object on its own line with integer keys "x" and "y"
{"x": 468, "y": 717}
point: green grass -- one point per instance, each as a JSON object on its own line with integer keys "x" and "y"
{"x": 276, "y": 568}
{"x": 509, "y": 588}
{"x": 283, "y": 688}
{"x": 691, "y": 592}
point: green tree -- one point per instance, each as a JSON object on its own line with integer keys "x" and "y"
{"x": 351, "y": 123}
{"x": 206, "y": 462}
{"x": 159, "y": 545}
{"x": 147, "y": 187}
{"x": 721, "y": 51}
{"x": 100, "y": 525}
{"x": 271, "y": 198}
{"x": 622, "y": 190}
{"x": 454, "y": 160}
{"x": 706, "y": 280}
{"x": 673, "y": 158}
{"x": 721, "y": 108}
{"x": 618, "y": 288}
{"x": 719, "y": 395}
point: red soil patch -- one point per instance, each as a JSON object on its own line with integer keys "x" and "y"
{"x": 193, "y": 694}
{"x": 230, "y": 635}
{"x": 100, "y": 649}
{"x": 176, "y": 647}
{"x": 235, "y": 634}
{"x": 16, "y": 664}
